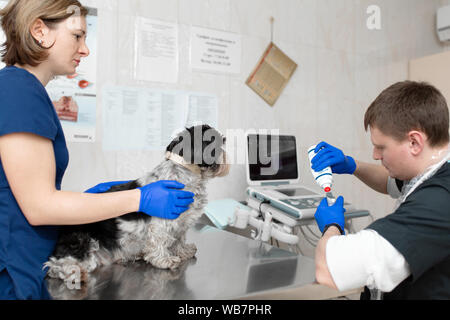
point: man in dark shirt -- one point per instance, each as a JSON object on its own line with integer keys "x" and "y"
{"x": 406, "y": 254}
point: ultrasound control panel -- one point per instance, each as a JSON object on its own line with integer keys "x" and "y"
{"x": 305, "y": 203}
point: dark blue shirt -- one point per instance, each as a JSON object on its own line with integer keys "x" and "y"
{"x": 420, "y": 230}
{"x": 26, "y": 107}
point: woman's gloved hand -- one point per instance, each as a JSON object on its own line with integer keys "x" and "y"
{"x": 329, "y": 156}
{"x": 105, "y": 186}
{"x": 163, "y": 199}
{"x": 330, "y": 215}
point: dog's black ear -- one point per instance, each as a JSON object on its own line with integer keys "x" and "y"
{"x": 174, "y": 143}
{"x": 198, "y": 142}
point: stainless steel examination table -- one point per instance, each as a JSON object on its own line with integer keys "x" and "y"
{"x": 227, "y": 266}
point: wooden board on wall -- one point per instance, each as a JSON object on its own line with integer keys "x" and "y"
{"x": 433, "y": 69}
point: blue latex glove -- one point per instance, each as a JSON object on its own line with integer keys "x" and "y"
{"x": 329, "y": 156}
{"x": 326, "y": 215}
{"x": 103, "y": 187}
{"x": 163, "y": 199}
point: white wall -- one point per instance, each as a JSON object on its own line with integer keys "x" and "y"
{"x": 342, "y": 67}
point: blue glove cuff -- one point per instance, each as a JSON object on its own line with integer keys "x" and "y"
{"x": 341, "y": 230}
{"x": 140, "y": 199}
{"x": 351, "y": 165}
{"x": 145, "y": 197}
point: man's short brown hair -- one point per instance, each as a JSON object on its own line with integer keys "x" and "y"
{"x": 407, "y": 106}
{"x": 16, "y": 20}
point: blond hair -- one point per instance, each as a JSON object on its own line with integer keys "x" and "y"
{"x": 17, "y": 19}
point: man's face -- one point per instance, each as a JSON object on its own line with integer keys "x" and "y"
{"x": 395, "y": 156}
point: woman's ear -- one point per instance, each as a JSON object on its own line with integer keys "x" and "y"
{"x": 416, "y": 142}
{"x": 39, "y": 31}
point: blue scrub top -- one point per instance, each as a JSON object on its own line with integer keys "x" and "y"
{"x": 26, "y": 107}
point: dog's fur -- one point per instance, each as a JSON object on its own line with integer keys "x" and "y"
{"x": 137, "y": 236}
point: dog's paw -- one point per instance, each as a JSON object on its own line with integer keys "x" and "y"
{"x": 188, "y": 251}
{"x": 53, "y": 270}
{"x": 71, "y": 272}
{"x": 168, "y": 262}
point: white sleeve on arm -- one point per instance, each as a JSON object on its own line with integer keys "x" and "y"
{"x": 392, "y": 188}
{"x": 365, "y": 259}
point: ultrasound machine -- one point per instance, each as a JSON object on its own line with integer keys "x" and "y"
{"x": 278, "y": 183}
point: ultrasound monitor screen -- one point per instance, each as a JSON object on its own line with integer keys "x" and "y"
{"x": 272, "y": 157}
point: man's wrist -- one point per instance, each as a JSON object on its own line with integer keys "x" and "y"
{"x": 333, "y": 228}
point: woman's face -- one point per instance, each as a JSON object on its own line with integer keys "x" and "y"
{"x": 69, "y": 38}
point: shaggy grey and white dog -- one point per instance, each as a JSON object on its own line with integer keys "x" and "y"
{"x": 192, "y": 158}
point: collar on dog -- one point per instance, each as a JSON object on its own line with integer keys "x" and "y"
{"x": 180, "y": 160}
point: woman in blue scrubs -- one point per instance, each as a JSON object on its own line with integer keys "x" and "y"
{"x": 46, "y": 39}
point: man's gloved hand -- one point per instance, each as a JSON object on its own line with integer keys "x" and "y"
{"x": 103, "y": 187}
{"x": 163, "y": 199}
{"x": 329, "y": 156}
{"x": 330, "y": 215}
